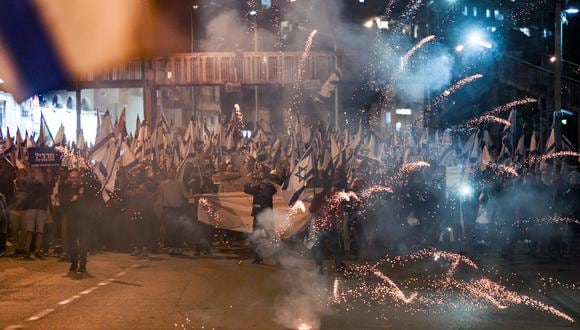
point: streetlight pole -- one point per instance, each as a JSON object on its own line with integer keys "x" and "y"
{"x": 256, "y": 104}
{"x": 336, "y": 99}
{"x": 558, "y": 74}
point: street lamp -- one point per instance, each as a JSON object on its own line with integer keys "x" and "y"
{"x": 369, "y": 24}
{"x": 561, "y": 18}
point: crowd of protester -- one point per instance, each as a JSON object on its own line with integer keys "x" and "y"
{"x": 61, "y": 212}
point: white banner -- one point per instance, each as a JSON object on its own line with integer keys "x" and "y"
{"x": 232, "y": 211}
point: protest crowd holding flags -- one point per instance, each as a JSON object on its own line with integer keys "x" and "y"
{"x": 363, "y": 162}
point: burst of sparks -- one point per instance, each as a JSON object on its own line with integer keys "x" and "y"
{"x": 457, "y": 86}
{"x": 443, "y": 291}
{"x": 555, "y": 155}
{"x": 416, "y": 47}
{"x": 508, "y": 106}
{"x": 554, "y": 220}
{"x": 488, "y": 119}
{"x": 407, "y": 169}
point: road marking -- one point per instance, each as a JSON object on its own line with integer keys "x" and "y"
{"x": 120, "y": 274}
{"x": 71, "y": 299}
{"x": 89, "y": 290}
{"x": 40, "y": 314}
{"x": 47, "y": 311}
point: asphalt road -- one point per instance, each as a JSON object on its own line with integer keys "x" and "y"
{"x": 226, "y": 291}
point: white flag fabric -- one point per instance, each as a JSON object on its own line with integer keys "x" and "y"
{"x": 298, "y": 179}
{"x": 232, "y": 211}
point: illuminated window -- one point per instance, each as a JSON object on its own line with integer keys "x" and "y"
{"x": 404, "y": 112}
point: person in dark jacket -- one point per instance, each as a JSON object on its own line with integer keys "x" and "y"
{"x": 72, "y": 201}
{"x": 325, "y": 228}
{"x": 263, "y": 191}
{"x": 36, "y": 214}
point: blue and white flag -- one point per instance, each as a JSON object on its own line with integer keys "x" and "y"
{"x": 46, "y": 44}
{"x": 298, "y": 178}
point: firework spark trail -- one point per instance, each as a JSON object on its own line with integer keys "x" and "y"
{"x": 394, "y": 290}
{"x": 375, "y": 189}
{"x": 555, "y": 155}
{"x": 239, "y": 122}
{"x": 416, "y": 47}
{"x": 409, "y": 13}
{"x": 457, "y": 86}
{"x": 499, "y": 294}
{"x": 292, "y": 211}
{"x": 389, "y": 8}
{"x": 407, "y": 169}
{"x": 487, "y": 119}
{"x": 554, "y": 220}
{"x": 211, "y": 212}
{"x": 505, "y": 107}
{"x": 506, "y": 169}
{"x": 336, "y": 296}
{"x": 298, "y": 83}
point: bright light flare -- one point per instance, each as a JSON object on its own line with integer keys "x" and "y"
{"x": 368, "y": 24}
{"x": 465, "y": 190}
{"x": 304, "y": 326}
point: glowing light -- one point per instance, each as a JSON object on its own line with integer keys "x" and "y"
{"x": 571, "y": 10}
{"x": 304, "y": 326}
{"x": 369, "y": 24}
{"x": 553, "y": 59}
{"x": 459, "y": 48}
{"x": 465, "y": 190}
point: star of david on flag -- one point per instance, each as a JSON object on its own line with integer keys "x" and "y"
{"x": 298, "y": 179}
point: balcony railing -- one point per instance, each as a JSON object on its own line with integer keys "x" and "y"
{"x": 221, "y": 68}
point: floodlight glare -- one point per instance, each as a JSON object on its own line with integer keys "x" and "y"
{"x": 465, "y": 190}
{"x": 572, "y": 10}
{"x": 475, "y": 38}
{"x": 459, "y": 48}
{"x": 368, "y": 24}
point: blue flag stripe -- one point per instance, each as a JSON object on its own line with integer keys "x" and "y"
{"x": 33, "y": 53}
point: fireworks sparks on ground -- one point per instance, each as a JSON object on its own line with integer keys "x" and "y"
{"x": 432, "y": 291}
{"x": 511, "y": 105}
{"x": 487, "y": 119}
{"x": 420, "y": 44}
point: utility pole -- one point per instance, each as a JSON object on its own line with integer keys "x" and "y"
{"x": 558, "y": 75}
{"x": 256, "y": 105}
{"x": 336, "y": 99}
